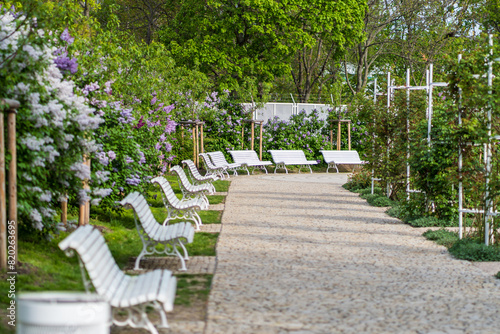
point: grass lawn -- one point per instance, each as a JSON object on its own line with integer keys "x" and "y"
{"x": 44, "y": 267}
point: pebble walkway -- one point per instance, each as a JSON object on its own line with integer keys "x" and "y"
{"x": 299, "y": 254}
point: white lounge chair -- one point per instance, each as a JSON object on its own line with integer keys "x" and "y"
{"x": 283, "y": 158}
{"x": 249, "y": 158}
{"x": 219, "y": 160}
{"x": 219, "y": 171}
{"x": 176, "y": 208}
{"x": 153, "y": 234}
{"x": 192, "y": 191}
{"x": 197, "y": 178}
{"x": 336, "y": 157}
{"x": 132, "y": 294}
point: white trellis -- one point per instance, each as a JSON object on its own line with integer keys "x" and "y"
{"x": 488, "y": 211}
{"x": 391, "y": 88}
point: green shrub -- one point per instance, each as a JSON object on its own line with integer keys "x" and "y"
{"x": 430, "y": 221}
{"x": 442, "y": 237}
{"x": 394, "y": 211}
{"x": 378, "y": 200}
{"x": 359, "y": 180}
{"x": 367, "y": 191}
{"x": 473, "y": 250}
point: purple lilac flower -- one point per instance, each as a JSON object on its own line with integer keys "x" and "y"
{"x": 133, "y": 180}
{"x": 170, "y": 126}
{"x": 103, "y": 158}
{"x": 142, "y": 159}
{"x": 169, "y": 108}
{"x": 153, "y": 100}
{"x": 66, "y": 64}
{"x": 129, "y": 160}
{"x": 65, "y": 36}
{"x": 107, "y": 88}
{"x": 163, "y": 137}
{"x": 140, "y": 124}
{"x": 168, "y": 147}
{"x": 157, "y": 146}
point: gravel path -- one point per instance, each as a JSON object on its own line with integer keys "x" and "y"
{"x": 299, "y": 254}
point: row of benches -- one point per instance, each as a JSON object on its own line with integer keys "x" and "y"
{"x": 131, "y": 295}
{"x": 216, "y": 163}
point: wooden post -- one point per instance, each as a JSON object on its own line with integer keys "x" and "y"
{"x": 338, "y": 136}
{"x": 242, "y": 135}
{"x": 12, "y": 174}
{"x": 87, "y": 205}
{"x": 64, "y": 212}
{"x": 253, "y": 133}
{"x": 197, "y": 141}
{"x": 84, "y": 214}
{"x": 331, "y": 136}
{"x": 195, "y": 160}
{"x": 202, "y": 149}
{"x": 3, "y": 201}
{"x": 349, "y": 134}
{"x": 260, "y": 144}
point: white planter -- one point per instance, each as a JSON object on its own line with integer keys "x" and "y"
{"x": 62, "y": 313}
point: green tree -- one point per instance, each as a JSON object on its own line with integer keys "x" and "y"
{"x": 243, "y": 45}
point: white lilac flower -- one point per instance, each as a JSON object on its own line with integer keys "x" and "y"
{"x": 81, "y": 170}
{"x": 83, "y": 196}
{"x": 36, "y": 216}
{"x": 102, "y": 176}
{"x": 46, "y": 196}
{"x": 102, "y": 192}
{"x": 47, "y": 212}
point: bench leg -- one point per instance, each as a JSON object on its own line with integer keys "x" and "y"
{"x": 198, "y": 220}
{"x": 136, "y": 318}
{"x": 163, "y": 316}
{"x": 183, "y": 263}
{"x": 184, "y": 250}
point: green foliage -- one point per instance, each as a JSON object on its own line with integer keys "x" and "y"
{"x": 378, "y": 200}
{"x": 442, "y": 237}
{"x": 244, "y": 46}
{"x": 359, "y": 180}
{"x": 431, "y": 221}
{"x": 474, "y": 250}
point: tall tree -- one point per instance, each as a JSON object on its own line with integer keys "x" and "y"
{"x": 311, "y": 62}
{"x": 411, "y": 33}
{"x": 244, "y": 44}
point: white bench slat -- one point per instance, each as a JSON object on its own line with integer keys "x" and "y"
{"x": 166, "y": 292}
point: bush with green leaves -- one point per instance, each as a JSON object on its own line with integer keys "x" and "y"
{"x": 474, "y": 250}
{"x": 442, "y": 237}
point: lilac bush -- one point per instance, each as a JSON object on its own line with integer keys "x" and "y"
{"x": 54, "y": 123}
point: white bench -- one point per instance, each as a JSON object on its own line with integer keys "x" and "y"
{"x": 219, "y": 171}
{"x": 250, "y": 159}
{"x": 219, "y": 160}
{"x": 129, "y": 293}
{"x": 197, "y": 178}
{"x": 177, "y": 209}
{"x": 334, "y": 158}
{"x": 283, "y": 158}
{"x": 189, "y": 190}
{"x": 153, "y": 234}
